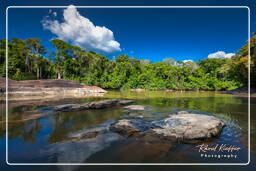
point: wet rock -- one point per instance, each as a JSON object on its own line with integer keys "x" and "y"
{"x": 188, "y": 128}
{"x": 103, "y": 104}
{"x": 71, "y": 107}
{"x": 133, "y": 117}
{"x": 125, "y": 102}
{"x": 183, "y": 112}
{"x": 92, "y": 105}
{"x": 129, "y": 127}
{"x": 93, "y": 131}
{"x": 135, "y": 107}
{"x": 108, "y": 103}
{"x": 78, "y": 151}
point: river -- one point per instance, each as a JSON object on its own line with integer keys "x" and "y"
{"x": 47, "y": 140}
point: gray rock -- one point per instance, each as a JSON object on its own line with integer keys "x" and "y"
{"x": 188, "y": 128}
{"x": 183, "y": 112}
{"x": 125, "y": 102}
{"x": 135, "y": 107}
{"x": 128, "y": 127}
{"x": 92, "y": 105}
{"x": 93, "y": 131}
{"x": 71, "y": 107}
{"x": 103, "y": 104}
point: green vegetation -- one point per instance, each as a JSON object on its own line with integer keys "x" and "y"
{"x": 28, "y": 59}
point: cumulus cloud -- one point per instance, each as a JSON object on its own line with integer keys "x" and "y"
{"x": 187, "y": 60}
{"x": 54, "y": 14}
{"x": 220, "y": 54}
{"x": 80, "y": 31}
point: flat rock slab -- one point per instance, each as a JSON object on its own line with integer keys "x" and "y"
{"x": 91, "y": 105}
{"x": 135, "y": 107}
{"x": 187, "y": 128}
{"x": 48, "y": 87}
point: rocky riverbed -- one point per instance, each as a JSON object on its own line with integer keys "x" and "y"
{"x": 115, "y": 129}
{"x": 182, "y": 127}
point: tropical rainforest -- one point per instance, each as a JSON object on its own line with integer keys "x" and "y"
{"x": 28, "y": 59}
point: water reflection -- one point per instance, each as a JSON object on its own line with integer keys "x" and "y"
{"x": 47, "y": 139}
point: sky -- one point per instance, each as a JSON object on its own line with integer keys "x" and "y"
{"x": 153, "y": 34}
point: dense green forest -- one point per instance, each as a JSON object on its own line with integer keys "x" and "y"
{"x": 28, "y": 59}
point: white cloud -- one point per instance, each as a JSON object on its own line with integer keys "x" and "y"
{"x": 82, "y": 32}
{"x": 54, "y": 14}
{"x": 187, "y": 60}
{"x": 220, "y": 54}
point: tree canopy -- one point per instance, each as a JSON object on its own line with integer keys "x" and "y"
{"x": 28, "y": 59}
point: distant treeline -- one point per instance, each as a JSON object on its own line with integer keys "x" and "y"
{"x": 28, "y": 59}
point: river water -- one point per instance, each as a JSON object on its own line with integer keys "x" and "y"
{"x": 47, "y": 140}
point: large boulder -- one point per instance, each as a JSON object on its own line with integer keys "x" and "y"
{"x": 188, "y": 128}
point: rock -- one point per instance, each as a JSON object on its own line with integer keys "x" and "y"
{"x": 187, "y": 128}
{"x": 92, "y": 105}
{"x": 125, "y": 102}
{"x": 128, "y": 127}
{"x": 135, "y": 107}
{"x": 183, "y": 112}
{"x": 93, "y": 131}
{"x": 133, "y": 117}
{"x": 48, "y": 87}
{"x": 103, "y": 104}
{"x": 139, "y": 90}
{"x": 71, "y": 107}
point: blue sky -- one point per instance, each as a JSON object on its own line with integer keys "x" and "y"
{"x": 152, "y": 34}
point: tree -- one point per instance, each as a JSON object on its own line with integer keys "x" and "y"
{"x": 35, "y": 53}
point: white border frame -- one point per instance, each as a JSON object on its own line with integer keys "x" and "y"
{"x": 249, "y": 91}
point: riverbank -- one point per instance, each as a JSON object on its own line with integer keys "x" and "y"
{"x": 48, "y": 87}
{"x": 60, "y": 88}
{"x": 243, "y": 91}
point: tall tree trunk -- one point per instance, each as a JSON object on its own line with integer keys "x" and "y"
{"x": 37, "y": 72}
{"x": 59, "y": 76}
{"x": 40, "y": 72}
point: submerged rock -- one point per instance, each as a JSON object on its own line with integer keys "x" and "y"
{"x": 93, "y": 131}
{"x": 135, "y": 107}
{"x": 188, "y": 128}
